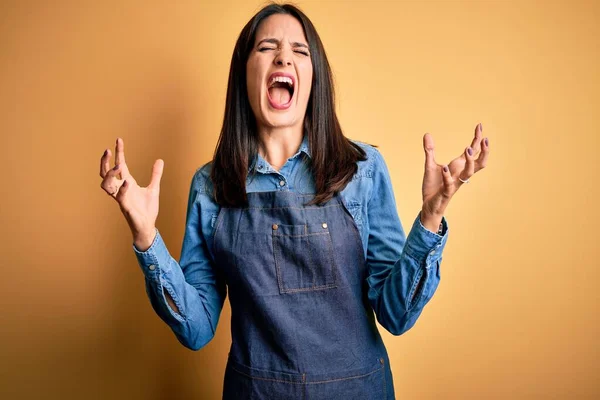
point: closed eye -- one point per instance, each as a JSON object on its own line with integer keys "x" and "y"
{"x": 263, "y": 49}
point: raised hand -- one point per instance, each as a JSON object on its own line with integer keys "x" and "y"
{"x": 440, "y": 182}
{"x": 138, "y": 204}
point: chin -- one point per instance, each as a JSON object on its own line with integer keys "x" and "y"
{"x": 280, "y": 118}
{"x": 282, "y": 121}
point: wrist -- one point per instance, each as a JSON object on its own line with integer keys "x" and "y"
{"x": 143, "y": 240}
{"x": 431, "y": 222}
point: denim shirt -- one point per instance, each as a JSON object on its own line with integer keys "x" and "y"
{"x": 404, "y": 272}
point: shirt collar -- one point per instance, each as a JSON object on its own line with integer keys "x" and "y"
{"x": 263, "y": 166}
{"x": 304, "y": 147}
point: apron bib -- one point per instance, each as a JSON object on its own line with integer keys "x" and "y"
{"x": 301, "y": 323}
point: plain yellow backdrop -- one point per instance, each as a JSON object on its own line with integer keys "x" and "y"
{"x": 516, "y": 312}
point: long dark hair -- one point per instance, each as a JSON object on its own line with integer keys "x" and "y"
{"x": 333, "y": 156}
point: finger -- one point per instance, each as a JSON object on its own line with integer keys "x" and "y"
{"x": 429, "y": 146}
{"x": 449, "y": 189}
{"x": 125, "y": 171}
{"x": 120, "y": 197}
{"x": 120, "y": 158}
{"x": 114, "y": 171}
{"x": 120, "y": 151}
{"x": 481, "y": 161}
{"x": 111, "y": 182}
{"x": 104, "y": 163}
{"x": 157, "y": 171}
{"x": 469, "y": 170}
{"x": 475, "y": 144}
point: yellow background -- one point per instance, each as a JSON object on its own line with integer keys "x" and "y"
{"x": 516, "y": 312}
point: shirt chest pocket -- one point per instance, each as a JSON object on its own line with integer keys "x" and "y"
{"x": 303, "y": 257}
{"x": 355, "y": 210}
{"x": 359, "y": 217}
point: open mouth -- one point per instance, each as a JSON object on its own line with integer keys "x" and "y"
{"x": 280, "y": 90}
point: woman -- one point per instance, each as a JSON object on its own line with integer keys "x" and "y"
{"x": 299, "y": 223}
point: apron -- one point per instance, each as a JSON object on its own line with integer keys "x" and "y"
{"x": 301, "y": 323}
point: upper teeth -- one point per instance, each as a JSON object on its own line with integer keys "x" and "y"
{"x": 281, "y": 79}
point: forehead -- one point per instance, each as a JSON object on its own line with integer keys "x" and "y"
{"x": 280, "y": 26}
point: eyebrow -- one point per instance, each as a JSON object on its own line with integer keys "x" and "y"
{"x": 275, "y": 41}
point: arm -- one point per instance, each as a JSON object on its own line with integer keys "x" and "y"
{"x": 188, "y": 295}
{"x": 403, "y": 271}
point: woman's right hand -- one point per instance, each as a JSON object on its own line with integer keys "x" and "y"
{"x": 139, "y": 205}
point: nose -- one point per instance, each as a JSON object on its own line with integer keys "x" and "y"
{"x": 283, "y": 58}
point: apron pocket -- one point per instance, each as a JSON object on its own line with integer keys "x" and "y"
{"x": 303, "y": 257}
{"x": 363, "y": 384}
{"x": 366, "y": 383}
{"x": 245, "y": 383}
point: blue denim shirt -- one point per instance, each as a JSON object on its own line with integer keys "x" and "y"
{"x": 404, "y": 272}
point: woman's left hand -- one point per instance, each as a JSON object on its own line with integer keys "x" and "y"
{"x": 440, "y": 182}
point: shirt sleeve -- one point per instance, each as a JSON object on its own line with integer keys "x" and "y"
{"x": 404, "y": 272}
{"x": 196, "y": 287}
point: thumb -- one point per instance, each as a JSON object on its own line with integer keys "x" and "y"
{"x": 429, "y": 146}
{"x": 157, "y": 171}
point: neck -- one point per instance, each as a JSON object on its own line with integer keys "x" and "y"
{"x": 276, "y": 145}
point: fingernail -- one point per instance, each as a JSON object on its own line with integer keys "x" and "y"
{"x": 486, "y": 142}
{"x": 124, "y": 183}
{"x": 105, "y": 151}
{"x": 445, "y": 168}
{"x": 470, "y": 151}
{"x": 116, "y": 167}
{"x": 480, "y": 127}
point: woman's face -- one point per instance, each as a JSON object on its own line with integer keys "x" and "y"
{"x": 279, "y": 73}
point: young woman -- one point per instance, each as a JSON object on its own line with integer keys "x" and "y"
{"x": 299, "y": 223}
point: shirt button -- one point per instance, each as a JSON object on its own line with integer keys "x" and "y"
{"x": 275, "y": 227}
{"x": 281, "y": 183}
{"x": 324, "y": 225}
{"x": 152, "y": 267}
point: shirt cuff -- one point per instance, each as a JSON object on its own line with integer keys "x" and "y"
{"x": 154, "y": 259}
{"x": 426, "y": 246}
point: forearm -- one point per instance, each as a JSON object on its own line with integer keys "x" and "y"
{"x": 171, "y": 302}
{"x": 191, "y": 311}
{"x": 399, "y": 290}
{"x": 402, "y": 298}
{"x": 142, "y": 242}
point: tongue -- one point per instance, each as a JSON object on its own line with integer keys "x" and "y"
{"x": 279, "y": 96}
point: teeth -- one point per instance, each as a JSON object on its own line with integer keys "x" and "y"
{"x": 282, "y": 79}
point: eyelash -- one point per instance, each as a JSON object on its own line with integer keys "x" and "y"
{"x": 262, "y": 49}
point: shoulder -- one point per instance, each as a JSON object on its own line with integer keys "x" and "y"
{"x": 201, "y": 182}
{"x": 372, "y": 165}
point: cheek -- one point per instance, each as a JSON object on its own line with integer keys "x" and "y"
{"x": 306, "y": 81}
{"x": 253, "y": 86}
{"x": 251, "y": 82}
